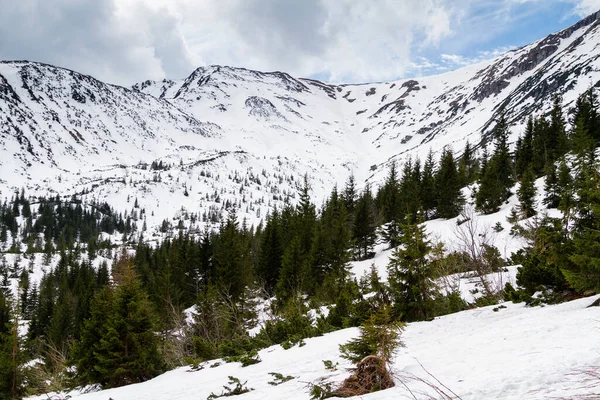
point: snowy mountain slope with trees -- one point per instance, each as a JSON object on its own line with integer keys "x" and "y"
{"x": 512, "y": 353}
{"x": 100, "y": 269}
{"x": 71, "y": 133}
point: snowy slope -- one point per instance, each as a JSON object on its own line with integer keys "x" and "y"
{"x": 237, "y": 136}
{"x": 515, "y": 353}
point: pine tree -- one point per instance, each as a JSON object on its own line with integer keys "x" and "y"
{"x": 410, "y": 195}
{"x": 566, "y": 191}
{"x": 364, "y": 231}
{"x": 540, "y": 157}
{"x": 292, "y": 276}
{"x": 526, "y": 193}
{"x": 85, "y": 351}
{"x": 411, "y": 275}
{"x": 271, "y": 253}
{"x": 524, "y": 150}
{"x": 350, "y": 195}
{"x": 11, "y": 356}
{"x": 233, "y": 266}
{"x": 497, "y": 179}
{"x": 448, "y": 187}
{"x": 557, "y": 141}
{"x": 391, "y": 206}
{"x": 552, "y": 198}
{"x": 127, "y": 349}
{"x": 467, "y": 166}
{"x": 581, "y": 141}
{"x": 584, "y": 271}
{"x": 428, "y": 192}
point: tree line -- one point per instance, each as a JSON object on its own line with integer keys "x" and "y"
{"x": 118, "y": 328}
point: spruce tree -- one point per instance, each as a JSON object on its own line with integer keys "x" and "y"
{"x": 410, "y": 195}
{"x": 11, "y": 356}
{"x": 557, "y": 140}
{"x": 411, "y": 275}
{"x": 448, "y": 187}
{"x": 391, "y": 206}
{"x": 584, "y": 271}
{"x": 526, "y": 193}
{"x": 467, "y": 166}
{"x": 364, "y": 231}
{"x": 233, "y": 267}
{"x": 497, "y": 179}
{"x": 552, "y": 198}
{"x": 524, "y": 150}
{"x": 292, "y": 275}
{"x": 428, "y": 192}
{"x": 566, "y": 192}
{"x": 271, "y": 253}
{"x": 127, "y": 350}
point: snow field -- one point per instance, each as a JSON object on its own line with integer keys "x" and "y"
{"x": 514, "y": 353}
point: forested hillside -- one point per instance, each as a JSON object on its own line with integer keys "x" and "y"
{"x": 87, "y": 300}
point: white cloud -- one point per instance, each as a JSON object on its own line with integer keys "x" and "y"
{"x": 586, "y": 7}
{"x": 124, "y": 41}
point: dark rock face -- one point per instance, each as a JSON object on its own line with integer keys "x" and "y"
{"x": 496, "y": 76}
{"x": 261, "y": 107}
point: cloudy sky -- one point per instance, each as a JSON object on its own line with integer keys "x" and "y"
{"x": 126, "y": 41}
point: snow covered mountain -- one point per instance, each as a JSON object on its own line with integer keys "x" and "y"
{"x": 231, "y": 136}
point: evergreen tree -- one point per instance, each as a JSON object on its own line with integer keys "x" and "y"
{"x": 566, "y": 192}
{"x": 411, "y": 275}
{"x": 497, "y": 180}
{"x": 540, "y": 158}
{"x": 410, "y": 194}
{"x": 545, "y": 258}
{"x": 233, "y": 264}
{"x": 524, "y": 150}
{"x": 127, "y": 350}
{"x": 292, "y": 275}
{"x": 364, "y": 231}
{"x": 271, "y": 253}
{"x": 11, "y": 356}
{"x": 526, "y": 193}
{"x": 467, "y": 166}
{"x": 584, "y": 271}
{"x": 448, "y": 187}
{"x": 350, "y": 195}
{"x": 428, "y": 193}
{"x": 390, "y": 204}
{"x": 557, "y": 141}
{"x": 581, "y": 141}
{"x": 552, "y": 198}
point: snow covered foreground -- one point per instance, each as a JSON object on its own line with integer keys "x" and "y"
{"x": 515, "y": 353}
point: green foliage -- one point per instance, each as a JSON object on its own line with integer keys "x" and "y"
{"x": 329, "y": 365}
{"x": 278, "y": 378}
{"x": 364, "y": 229}
{"x": 379, "y": 336}
{"x": 11, "y": 356}
{"x": 583, "y": 272}
{"x": 497, "y": 178}
{"x": 291, "y": 328}
{"x": 204, "y": 349}
{"x": 119, "y": 345}
{"x": 448, "y": 186}
{"x": 545, "y": 259}
{"x": 411, "y": 275}
{"x": 526, "y": 194}
{"x": 320, "y": 392}
{"x": 234, "y": 388}
{"x": 449, "y": 304}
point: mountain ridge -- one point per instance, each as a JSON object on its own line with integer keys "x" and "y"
{"x": 60, "y": 129}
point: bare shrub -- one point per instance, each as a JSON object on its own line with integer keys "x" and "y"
{"x": 371, "y": 375}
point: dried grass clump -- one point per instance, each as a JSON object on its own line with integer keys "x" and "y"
{"x": 371, "y": 375}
